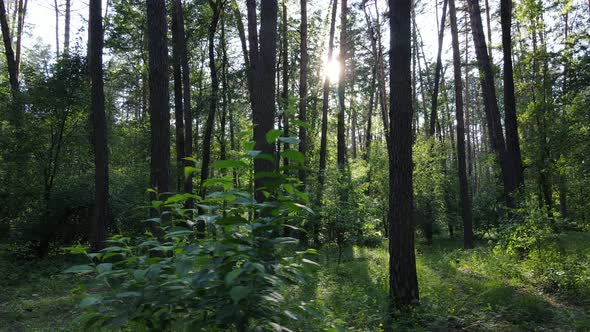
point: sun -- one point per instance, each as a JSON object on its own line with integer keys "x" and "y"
{"x": 332, "y": 70}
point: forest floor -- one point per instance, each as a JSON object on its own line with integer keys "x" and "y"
{"x": 475, "y": 290}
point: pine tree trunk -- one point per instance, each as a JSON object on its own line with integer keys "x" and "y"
{"x": 510, "y": 120}
{"x": 56, "y": 7}
{"x": 285, "y": 78}
{"x": 303, "y": 89}
{"x": 22, "y": 10}
{"x": 10, "y": 58}
{"x": 99, "y": 126}
{"x": 158, "y": 98}
{"x": 403, "y": 282}
{"x": 495, "y": 132}
{"x": 178, "y": 109}
{"x": 341, "y": 136}
{"x": 67, "y": 28}
{"x": 461, "y": 155}
{"x": 437, "y": 72}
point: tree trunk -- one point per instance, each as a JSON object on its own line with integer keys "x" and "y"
{"x": 510, "y": 120}
{"x": 186, "y": 97}
{"x": 341, "y": 139}
{"x": 403, "y": 282}
{"x": 263, "y": 63}
{"x": 158, "y": 98}
{"x": 99, "y": 137}
{"x": 242, "y": 34}
{"x": 10, "y": 59}
{"x": 224, "y": 94}
{"x": 461, "y": 158}
{"x": 178, "y": 109}
{"x": 437, "y": 72}
{"x": 489, "y": 28}
{"x": 490, "y": 101}
{"x": 285, "y": 77}
{"x": 216, "y": 8}
{"x": 56, "y": 7}
{"x": 67, "y": 28}
{"x": 303, "y": 89}
{"x": 325, "y": 106}
{"x": 22, "y": 10}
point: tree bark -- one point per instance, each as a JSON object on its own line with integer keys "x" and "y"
{"x": 216, "y": 8}
{"x": 22, "y": 10}
{"x": 341, "y": 136}
{"x": 158, "y": 98}
{"x": 403, "y": 282}
{"x": 490, "y": 102}
{"x": 303, "y": 89}
{"x": 437, "y": 72}
{"x": 325, "y": 106}
{"x": 67, "y": 28}
{"x": 99, "y": 137}
{"x": 10, "y": 58}
{"x": 178, "y": 109}
{"x": 510, "y": 119}
{"x": 263, "y": 63}
{"x": 242, "y": 34}
{"x": 461, "y": 158}
{"x": 56, "y": 7}
{"x": 285, "y": 77}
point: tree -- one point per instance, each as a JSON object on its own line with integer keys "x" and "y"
{"x": 341, "y": 139}
{"x": 403, "y": 281}
{"x": 303, "y": 87}
{"x": 461, "y": 155}
{"x": 216, "y": 8}
{"x": 177, "y": 39}
{"x": 99, "y": 126}
{"x": 325, "y": 107}
{"x": 67, "y": 28}
{"x": 490, "y": 102}
{"x": 510, "y": 120}
{"x": 158, "y": 96}
{"x": 10, "y": 59}
{"x": 263, "y": 53}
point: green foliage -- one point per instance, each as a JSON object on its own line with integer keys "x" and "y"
{"x": 231, "y": 279}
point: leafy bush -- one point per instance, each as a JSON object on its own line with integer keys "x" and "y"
{"x": 230, "y": 280}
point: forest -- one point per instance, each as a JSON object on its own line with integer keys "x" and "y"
{"x": 285, "y": 165}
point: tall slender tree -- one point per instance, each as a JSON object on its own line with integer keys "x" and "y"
{"x": 488, "y": 88}
{"x": 403, "y": 281}
{"x": 510, "y": 120}
{"x": 8, "y": 51}
{"x": 461, "y": 155}
{"x": 158, "y": 95}
{"x": 99, "y": 126}
{"x": 67, "y": 14}
{"x": 178, "y": 108}
{"x": 303, "y": 87}
{"x": 263, "y": 53}
{"x": 341, "y": 139}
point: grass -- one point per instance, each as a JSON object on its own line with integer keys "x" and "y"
{"x": 471, "y": 290}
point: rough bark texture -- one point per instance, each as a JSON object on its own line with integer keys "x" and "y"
{"x": 22, "y": 10}
{"x": 186, "y": 97}
{"x": 403, "y": 282}
{"x": 67, "y": 28}
{"x": 263, "y": 61}
{"x": 510, "y": 119}
{"x": 490, "y": 101}
{"x": 10, "y": 59}
{"x": 158, "y": 96}
{"x": 303, "y": 87}
{"x": 326, "y": 105}
{"x": 341, "y": 136}
{"x": 461, "y": 158}
{"x": 99, "y": 126}
{"x": 243, "y": 44}
{"x": 437, "y": 72}
{"x": 178, "y": 109}
{"x": 285, "y": 77}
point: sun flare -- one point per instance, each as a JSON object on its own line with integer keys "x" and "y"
{"x": 332, "y": 70}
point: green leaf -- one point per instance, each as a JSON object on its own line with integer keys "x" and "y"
{"x": 232, "y": 275}
{"x": 238, "y": 293}
{"x": 293, "y": 155}
{"x": 229, "y": 164}
{"x": 301, "y": 123}
{"x": 89, "y": 301}
{"x": 80, "y": 269}
{"x": 188, "y": 170}
{"x": 285, "y": 240}
{"x": 181, "y": 233}
{"x": 289, "y": 188}
{"x": 289, "y": 140}
{"x": 309, "y": 261}
{"x": 272, "y": 135}
{"x": 253, "y": 153}
{"x": 231, "y": 220}
{"x": 104, "y": 267}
